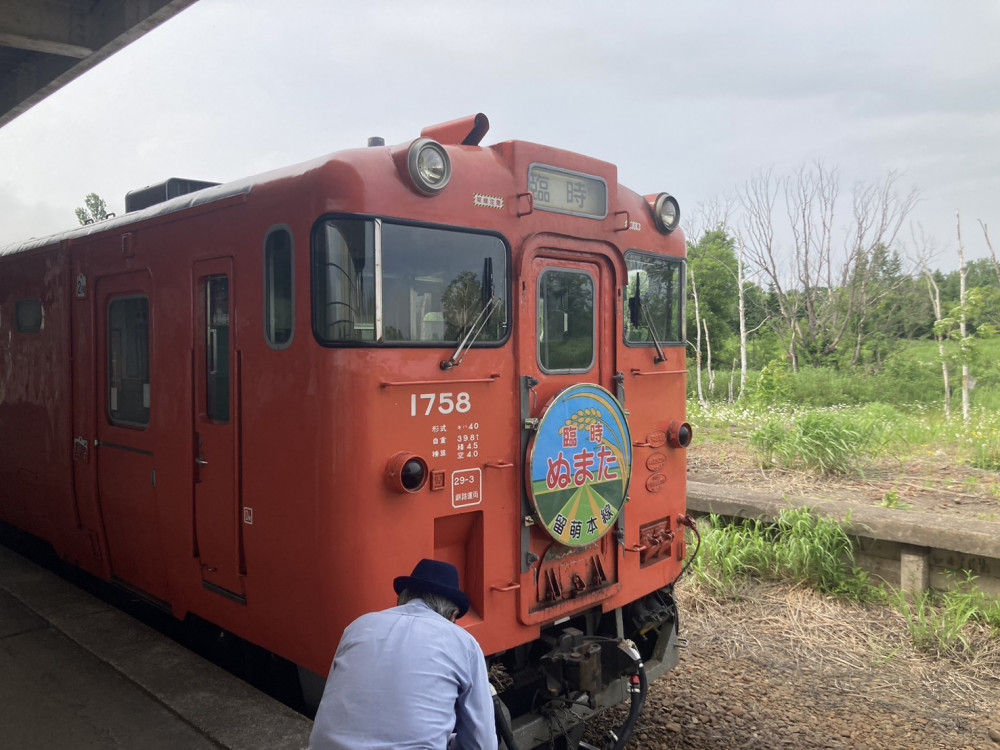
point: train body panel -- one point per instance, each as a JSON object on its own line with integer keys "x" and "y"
{"x": 261, "y": 402}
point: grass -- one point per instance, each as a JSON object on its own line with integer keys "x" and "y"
{"x": 805, "y": 549}
{"x": 845, "y": 439}
{"x": 830, "y": 423}
{"x": 905, "y": 390}
{"x": 892, "y": 500}
{"x": 827, "y": 442}
{"x": 799, "y": 546}
{"x": 939, "y": 622}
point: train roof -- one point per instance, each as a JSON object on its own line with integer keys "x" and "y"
{"x": 201, "y": 197}
{"x": 467, "y": 131}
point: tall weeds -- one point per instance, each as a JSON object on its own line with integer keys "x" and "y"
{"x": 939, "y": 622}
{"x": 808, "y": 550}
{"x": 800, "y": 546}
{"x": 824, "y": 441}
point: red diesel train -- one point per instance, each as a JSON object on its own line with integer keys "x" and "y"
{"x": 259, "y": 402}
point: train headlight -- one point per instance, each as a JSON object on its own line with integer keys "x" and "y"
{"x": 406, "y": 472}
{"x": 666, "y": 212}
{"x": 429, "y": 166}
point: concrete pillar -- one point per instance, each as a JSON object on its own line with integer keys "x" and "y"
{"x": 914, "y": 569}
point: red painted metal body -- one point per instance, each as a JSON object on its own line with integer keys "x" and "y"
{"x": 278, "y": 523}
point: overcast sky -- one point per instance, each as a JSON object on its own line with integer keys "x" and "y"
{"x": 692, "y": 97}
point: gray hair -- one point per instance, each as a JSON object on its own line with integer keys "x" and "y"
{"x": 444, "y": 607}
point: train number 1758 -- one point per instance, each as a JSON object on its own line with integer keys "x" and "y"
{"x": 425, "y": 404}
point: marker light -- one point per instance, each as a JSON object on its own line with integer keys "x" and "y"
{"x": 679, "y": 434}
{"x": 666, "y": 212}
{"x": 429, "y": 166}
{"x": 406, "y": 472}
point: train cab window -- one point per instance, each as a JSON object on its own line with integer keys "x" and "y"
{"x": 654, "y": 300}
{"x": 565, "y": 320}
{"x": 28, "y": 315}
{"x": 435, "y": 287}
{"x": 279, "y": 309}
{"x": 440, "y": 284}
{"x": 128, "y": 361}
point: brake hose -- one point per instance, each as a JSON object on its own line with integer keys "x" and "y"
{"x": 502, "y": 719}
{"x": 638, "y": 687}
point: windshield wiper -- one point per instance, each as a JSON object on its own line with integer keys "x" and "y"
{"x": 470, "y": 338}
{"x": 490, "y": 302}
{"x": 635, "y": 309}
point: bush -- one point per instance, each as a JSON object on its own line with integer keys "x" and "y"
{"x": 773, "y": 385}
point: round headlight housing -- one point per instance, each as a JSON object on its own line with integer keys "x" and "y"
{"x": 679, "y": 434}
{"x": 666, "y": 213}
{"x": 429, "y": 166}
{"x": 406, "y": 473}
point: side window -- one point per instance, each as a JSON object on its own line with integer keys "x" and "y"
{"x": 128, "y": 361}
{"x": 29, "y": 315}
{"x": 565, "y": 320}
{"x": 344, "y": 280}
{"x": 279, "y": 291}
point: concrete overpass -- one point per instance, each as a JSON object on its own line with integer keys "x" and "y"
{"x": 45, "y": 44}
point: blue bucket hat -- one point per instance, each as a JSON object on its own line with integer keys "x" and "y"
{"x": 435, "y": 577}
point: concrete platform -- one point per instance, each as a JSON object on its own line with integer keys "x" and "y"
{"x": 78, "y": 673}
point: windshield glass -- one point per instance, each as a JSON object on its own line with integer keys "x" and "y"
{"x": 654, "y": 299}
{"x": 434, "y": 283}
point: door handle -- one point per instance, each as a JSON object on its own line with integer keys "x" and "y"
{"x": 201, "y": 461}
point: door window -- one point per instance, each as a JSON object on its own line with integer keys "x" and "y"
{"x": 217, "y": 355}
{"x": 565, "y": 320}
{"x": 128, "y": 361}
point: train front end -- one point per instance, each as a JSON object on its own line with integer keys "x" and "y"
{"x": 504, "y": 328}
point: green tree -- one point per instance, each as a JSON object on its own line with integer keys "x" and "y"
{"x": 94, "y": 209}
{"x": 871, "y": 304}
{"x": 712, "y": 263}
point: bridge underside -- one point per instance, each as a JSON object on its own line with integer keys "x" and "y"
{"x": 45, "y": 44}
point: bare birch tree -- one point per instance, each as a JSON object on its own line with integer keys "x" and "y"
{"x": 697, "y": 345}
{"x": 879, "y": 214}
{"x": 708, "y": 354}
{"x": 924, "y": 253}
{"x": 711, "y": 214}
{"x": 963, "y": 297}
{"x": 757, "y": 199}
{"x": 993, "y": 254}
{"x": 742, "y": 301}
{"x": 822, "y": 294}
{"x": 810, "y": 199}
{"x": 935, "y": 293}
{"x": 717, "y": 213}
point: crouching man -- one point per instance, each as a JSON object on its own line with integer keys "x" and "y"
{"x": 409, "y": 677}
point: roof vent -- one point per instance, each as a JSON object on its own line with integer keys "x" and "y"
{"x": 136, "y": 200}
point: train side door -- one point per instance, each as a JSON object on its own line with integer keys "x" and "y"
{"x": 218, "y": 526}
{"x": 578, "y": 453}
{"x": 127, "y": 430}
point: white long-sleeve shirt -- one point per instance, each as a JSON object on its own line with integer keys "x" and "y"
{"x": 406, "y": 679}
